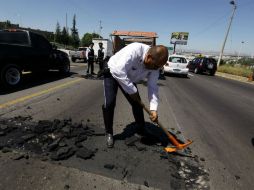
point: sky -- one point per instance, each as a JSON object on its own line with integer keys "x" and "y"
{"x": 205, "y": 20}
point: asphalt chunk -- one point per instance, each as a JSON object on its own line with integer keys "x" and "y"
{"x": 132, "y": 159}
{"x": 132, "y": 140}
{"x": 146, "y": 184}
{"x": 84, "y": 153}
{"x": 62, "y": 154}
{"x": 109, "y": 166}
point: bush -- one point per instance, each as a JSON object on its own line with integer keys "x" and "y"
{"x": 239, "y": 70}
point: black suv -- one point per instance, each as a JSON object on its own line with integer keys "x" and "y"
{"x": 203, "y": 64}
{"x": 22, "y": 50}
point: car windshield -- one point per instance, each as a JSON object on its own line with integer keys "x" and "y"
{"x": 177, "y": 60}
{"x": 213, "y": 61}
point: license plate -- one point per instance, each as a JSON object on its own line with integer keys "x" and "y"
{"x": 177, "y": 70}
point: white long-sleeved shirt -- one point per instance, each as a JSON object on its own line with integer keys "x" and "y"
{"x": 127, "y": 67}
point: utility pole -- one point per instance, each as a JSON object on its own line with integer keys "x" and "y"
{"x": 66, "y": 25}
{"x": 100, "y": 28}
{"x": 230, "y": 22}
{"x": 240, "y": 50}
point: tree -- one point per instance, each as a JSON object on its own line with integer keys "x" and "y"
{"x": 58, "y": 33}
{"x": 74, "y": 33}
{"x": 88, "y": 37}
{"x": 65, "y": 36}
{"x": 5, "y": 25}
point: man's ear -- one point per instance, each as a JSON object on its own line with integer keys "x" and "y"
{"x": 149, "y": 56}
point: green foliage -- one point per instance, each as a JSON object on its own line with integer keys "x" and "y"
{"x": 246, "y": 61}
{"x": 88, "y": 37}
{"x": 65, "y": 39}
{"x": 5, "y": 25}
{"x": 75, "y": 41}
{"x": 58, "y": 33}
{"x": 86, "y": 40}
{"x": 235, "y": 70}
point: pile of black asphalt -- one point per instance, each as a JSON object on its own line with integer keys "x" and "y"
{"x": 82, "y": 146}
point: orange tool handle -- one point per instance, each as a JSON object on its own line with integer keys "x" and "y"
{"x": 171, "y": 137}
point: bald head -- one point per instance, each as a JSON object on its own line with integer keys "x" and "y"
{"x": 156, "y": 57}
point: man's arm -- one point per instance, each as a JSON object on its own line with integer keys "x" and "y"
{"x": 87, "y": 51}
{"x": 153, "y": 89}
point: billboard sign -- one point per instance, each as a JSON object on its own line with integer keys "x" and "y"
{"x": 180, "y": 38}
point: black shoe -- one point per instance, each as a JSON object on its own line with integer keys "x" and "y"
{"x": 93, "y": 73}
{"x": 110, "y": 140}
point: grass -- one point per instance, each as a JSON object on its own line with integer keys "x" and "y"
{"x": 236, "y": 70}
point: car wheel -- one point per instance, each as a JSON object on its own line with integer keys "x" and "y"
{"x": 196, "y": 70}
{"x": 65, "y": 68}
{"x": 212, "y": 73}
{"x": 11, "y": 75}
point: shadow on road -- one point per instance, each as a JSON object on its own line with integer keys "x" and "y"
{"x": 31, "y": 80}
{"x": 176, "y": 75}
{"x": 153, "y": 134}
{"x": 252, "y": 141}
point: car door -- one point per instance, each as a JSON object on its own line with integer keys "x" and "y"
{"x": 191, "y": 65}
{"x": 41, "y": 53}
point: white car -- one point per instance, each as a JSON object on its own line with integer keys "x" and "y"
{"x": 176, "y": 64}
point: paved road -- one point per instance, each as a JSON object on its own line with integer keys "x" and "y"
{"x": 214, "y": 112}
{"x": 217, "y": 114}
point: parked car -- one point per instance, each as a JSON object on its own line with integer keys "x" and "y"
{"x": 203, "y": 65}
{"x": 22, "y": 50}
{"x": 176, "y": 64}
{"x": 79, "y": 54}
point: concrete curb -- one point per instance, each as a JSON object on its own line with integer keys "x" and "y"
{"x": 234, "y": 77}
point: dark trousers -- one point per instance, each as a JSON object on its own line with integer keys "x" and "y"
{"x": 90, "y": 64}
{"x": 110, "y": 92}
{"x": 101, "y": 63}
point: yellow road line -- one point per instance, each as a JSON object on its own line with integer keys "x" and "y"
{"x": 22, "y": 99}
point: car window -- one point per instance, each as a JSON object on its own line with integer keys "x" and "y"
{"x": 177, "y": 60}
{"x": 14, "y": 38}
{"x": 193, "y": 61}
{"x": 213, "y": 61}
{"x": 198, "y": 60}
{"x": 40, "y": 42}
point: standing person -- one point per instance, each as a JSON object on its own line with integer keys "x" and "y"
{"x": 101, "y": 55}
{"x": 90, "y": 58}
{"x": 131, "y": 64}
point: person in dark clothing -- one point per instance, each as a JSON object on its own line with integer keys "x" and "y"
{"x": 90, "y": 58}
{"x": 101, "y": 56}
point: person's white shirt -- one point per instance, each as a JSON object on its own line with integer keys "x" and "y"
{"x": 127, "y": 67}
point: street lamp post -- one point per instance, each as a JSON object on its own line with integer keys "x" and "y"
{"x": 230, "y": 22}
{"x": 239, "y": 53}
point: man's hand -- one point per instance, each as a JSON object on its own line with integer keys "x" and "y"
{"x": 154, "y": 116}
{"x": 135, "y": 97}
